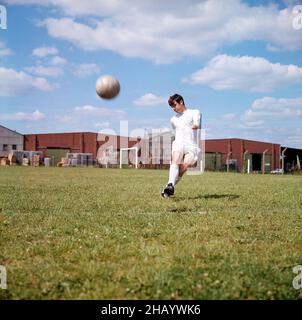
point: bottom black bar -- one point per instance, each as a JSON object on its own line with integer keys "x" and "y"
{"x": 143, "y": 309}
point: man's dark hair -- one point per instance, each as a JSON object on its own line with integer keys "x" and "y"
{"x": 177, "y": 98}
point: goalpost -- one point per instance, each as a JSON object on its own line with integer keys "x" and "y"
{"x": 125, "y": 160}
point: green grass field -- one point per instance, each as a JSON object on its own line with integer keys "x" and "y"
{"x": 88, "y": 233}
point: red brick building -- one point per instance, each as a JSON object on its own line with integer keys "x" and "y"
{"x": 56, "y": 145}
{"x": 221, "y": 154}
{"x": 239, "y": 152}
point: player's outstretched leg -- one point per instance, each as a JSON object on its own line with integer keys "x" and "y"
{"x": 175, "y": 174}
{"x": 168, "y": 190}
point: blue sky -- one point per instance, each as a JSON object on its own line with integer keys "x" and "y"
{"x": 239, "y": 62}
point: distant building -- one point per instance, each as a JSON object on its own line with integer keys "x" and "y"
{"x": 57, "y": 145}
{"x": 237, "y": 154}
{"x": 233, "y": 154}
{"x": 220, "y": 154}
{"x": 9, "y": 140}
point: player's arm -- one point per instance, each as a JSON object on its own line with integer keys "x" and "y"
{"x": 196, "y": 120}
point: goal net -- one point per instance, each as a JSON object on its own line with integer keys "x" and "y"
{"x": 129, "y": 157}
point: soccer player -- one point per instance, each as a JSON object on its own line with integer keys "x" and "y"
{"x": 185, "y": 148}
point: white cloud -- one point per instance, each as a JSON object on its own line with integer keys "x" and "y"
{"x": 269, "y": 119}
{"x": 102, "y": 125}
{"x": 23, "y": 116}
{"x": 91, "y": 117}
{"x": 85, "y": 109}
{"x": 251, "y": 125}
{"x": 14, "y": 83}
{"x": 295, "y": 138}
{"x": 91, "y": 111}
{"x": 58, "y": 61}
{"x": 157, "y": 31}
{"x": 291, "y": 3}
{"x": 254, "y": 74}
{"x": 4, "y": 51}
{"x": 271, "y": 109}
{"x": 44, "y": 51}
{"x": 148, "y": 100}
{"x": 45, "y": 71}
{"x": 85, "y": 69}
{"x": 78, "y": 7}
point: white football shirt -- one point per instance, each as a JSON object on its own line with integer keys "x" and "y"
{"x": 182, "y": 123}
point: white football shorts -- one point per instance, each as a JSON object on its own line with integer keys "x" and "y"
{"x": 190, "y": 150}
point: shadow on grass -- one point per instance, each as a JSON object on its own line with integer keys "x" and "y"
{"x": 205, "y": 196}
{"x": 182, "y": 209}
{"x": 219, "y": 196}
{"x": 209, "y": 196}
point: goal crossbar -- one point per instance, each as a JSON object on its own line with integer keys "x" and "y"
{"x": 128, "y": 149}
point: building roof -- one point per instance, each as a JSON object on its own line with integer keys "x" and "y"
{"x": 73, "y": 132}
{"x": 226, "y": 139}
{"x": 14, "y": 131}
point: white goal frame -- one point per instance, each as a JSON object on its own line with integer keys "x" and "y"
{"x": 127, "y": 149}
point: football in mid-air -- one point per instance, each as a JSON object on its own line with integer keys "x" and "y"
{"x": 107, "y": 87}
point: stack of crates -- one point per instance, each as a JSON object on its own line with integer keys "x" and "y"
{"x": 35, "y": 157}
{"x": 86, "y": 159}
{"x": 4, "y": 162}
{"x": 73, "y": 159}
{"x": 12, "y": 159}
{"x": 35, "y": 160}
{"x": 25, "y": 162}
{"x": 20, "y": 155}
{"x": 80, "y": 159}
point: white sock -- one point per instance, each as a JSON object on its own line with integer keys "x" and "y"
{"x": 173, "y": 173}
